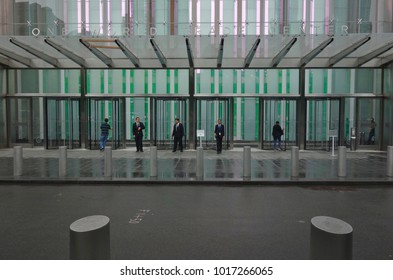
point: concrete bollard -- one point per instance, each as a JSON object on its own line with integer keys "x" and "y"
{"x": 90, "y": 238}
{"x": 153, "y": 161}
{"x": 342, "y": 161}
{"x": 63, "y": 161}
{"x": 389, "y": 165}
{"x": 331, "y": 239}
{"x": 294, "y": 161}
{"x": 18, "y": 161}
{"x": 247, "y": 162}
{"x": 200, "y": 169}
{"x": 108, "y": 162}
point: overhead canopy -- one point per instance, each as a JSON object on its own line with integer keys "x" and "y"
{"x": 272, "y": 51}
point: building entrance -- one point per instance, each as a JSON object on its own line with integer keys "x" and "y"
{"x": 20, "y": 114}
{"x": 164, "y": 115}
{"x": 62, "y": 123}
{"x": 208, "y": 112}
{"x": 98, "y": 110}
{"x": 323, "y": 117}
{"x": 283, "y": 111}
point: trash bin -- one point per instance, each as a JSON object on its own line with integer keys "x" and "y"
{"x": 353, "y": 139}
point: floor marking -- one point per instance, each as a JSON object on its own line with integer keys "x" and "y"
{"x": 138, "y": 217}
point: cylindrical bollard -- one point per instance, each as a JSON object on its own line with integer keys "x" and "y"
{"x": 200, "y": 168}
{"x": 153, "y": 161}
{"x": 294, "y": 161}
{"x": 90, "y": 238}
{"x": 331, "y": 239}
{"x": 342, "y": 161}
{"x": 62, "y": 161}
{"x": 18, "y": 161}
{"x": 389, "y": 165}
{"x": 108, "y": 162}
{"x": 247, "y": 162}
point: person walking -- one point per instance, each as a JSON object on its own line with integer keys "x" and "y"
{"x": 219, "y": 134}
{"x": 105, "y": 127}
{"x": 137, "y": 131}
{"x": 277, "y": 132}
{"x": 371, "y": 134}
{"x": 177, "y": 134}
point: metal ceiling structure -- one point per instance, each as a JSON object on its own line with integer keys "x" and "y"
{"x": 231, "y": 52}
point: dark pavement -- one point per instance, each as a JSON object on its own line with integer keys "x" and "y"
{"x": 193, "y": 222}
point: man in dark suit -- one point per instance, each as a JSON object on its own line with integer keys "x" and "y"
{"x": 219, "y": 134}
{"x": 137, "y": 128}
{"x": 177, "y": 134}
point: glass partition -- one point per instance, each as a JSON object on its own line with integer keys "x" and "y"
{"x": 322, "y": 117}
{"x": 48, "y": 81}
{"x": 368, "y": 122}
{"x": 3, "y": 125}
{"x": 247, "y": 81}
{"x": 155, "y": 81}
{"x": 339, "y": 81}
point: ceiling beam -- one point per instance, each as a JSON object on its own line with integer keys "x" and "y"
{"x": 386, "y": 60}
{"x": 159, "y": 53}
{"x": 129, "y": 54}
{"x": 16, "y": 57}
{"x": 281, "y": 54}
{"x": 314, "y": 52}
{"x": 40, "y": 54}
{"x": 220, "y": 53}
{"x": 374, "y": 53}
{"x": 4, "y": 62}
{"x": 189, "y": 53}
{"x": 343, "y": 53}
{"x": 251, "y": 53}
{"x": 75, "y": 58}
{"x": 105, "y": 59}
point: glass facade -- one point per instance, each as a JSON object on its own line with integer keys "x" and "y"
{"x": 46, "y": 106}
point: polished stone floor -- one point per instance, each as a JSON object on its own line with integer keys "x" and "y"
{"x": 226, "y": 167}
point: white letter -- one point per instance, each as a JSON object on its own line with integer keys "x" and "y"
{"x": 64, "y": 31}
{"x": 153, "y": 31}
{"x": 212, "y": 31}
{"x": 126, "y": 31}
{"x": 344, "y": 29}
{"x": 285, "y": 30}
{"x": 331, "y": 29}
{"x": 51, "y": 31}
{"x": 35, "y": 32}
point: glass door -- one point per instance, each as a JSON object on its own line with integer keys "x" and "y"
{"x": 368, "y": 123}
{"x": 166, "y": 111}
{"x": 284, "y": 112}
{"x": 323, "y": 116}
{"x": 208, "y": 112}
{"x": 20, "y": 116}
{"x": 99, "y": 109}
{"x": 62, "y": 119}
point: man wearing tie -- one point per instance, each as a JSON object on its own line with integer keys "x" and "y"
{"x": 138, "y": 133}
{"x": 177, "y": 134}
{"x": 219, "y": 134}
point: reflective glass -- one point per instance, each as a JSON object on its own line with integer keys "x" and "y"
{"x": 51, "y": 81}
{"x": 157, "y": 81}
{"x": 3, "y": 126}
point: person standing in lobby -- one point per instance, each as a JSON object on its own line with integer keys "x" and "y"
{"x": 137, "y": 131}
{"x": 277, "y": 133}
{"x": 177, "y": 134}
{"x": 219, "y": 134}
{"x": 104, "y": 133}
